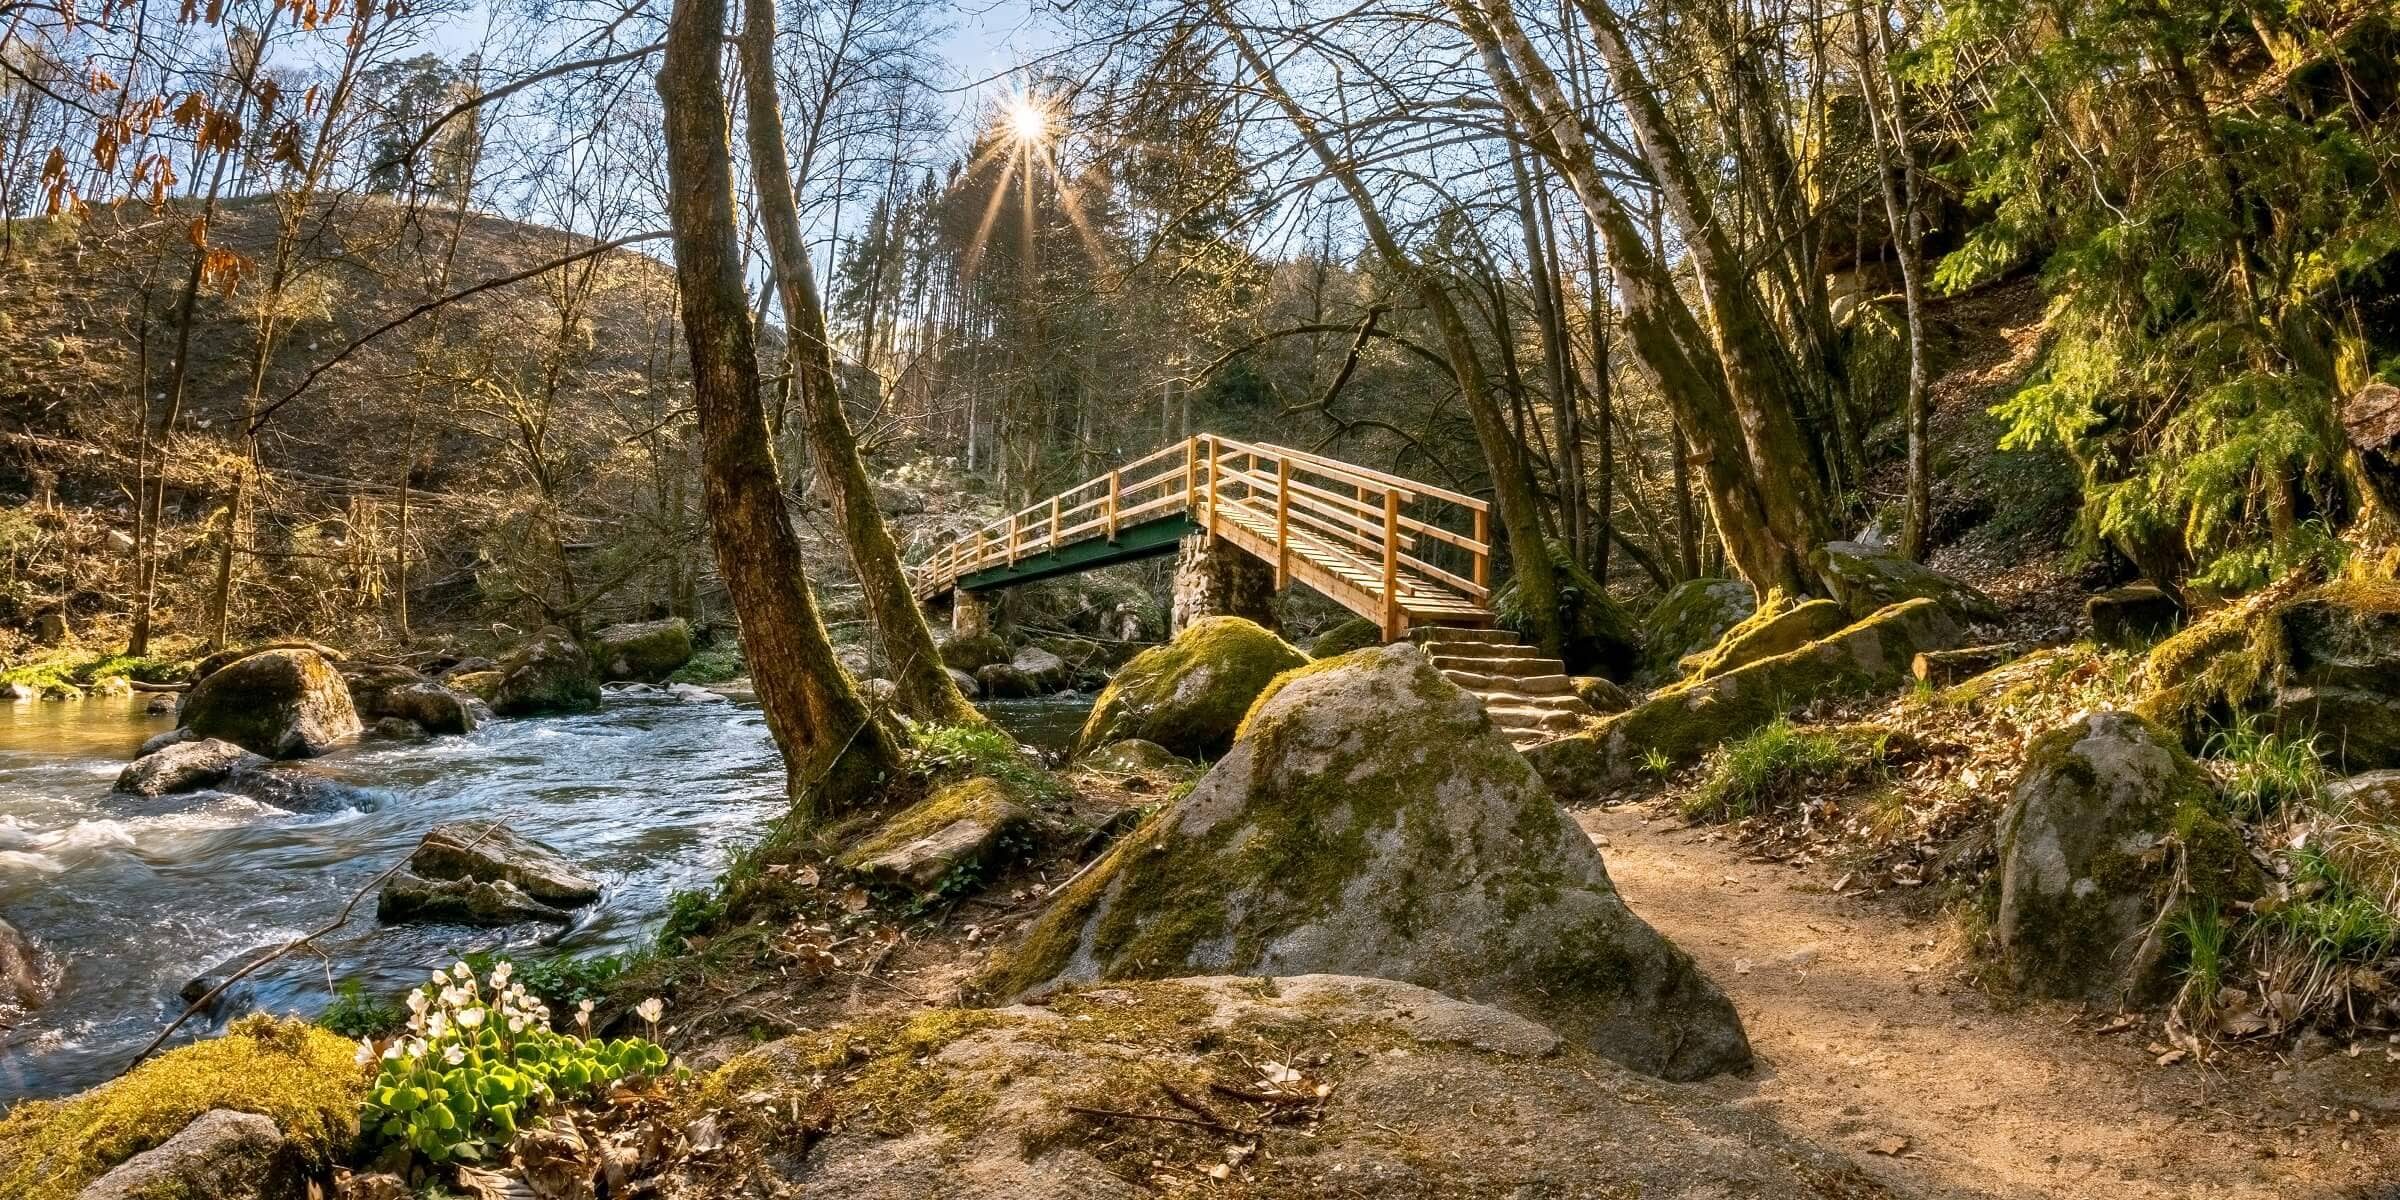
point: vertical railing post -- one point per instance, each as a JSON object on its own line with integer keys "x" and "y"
{"x": 1212, "y": 485}
{"x": 1393, "y": 622}
{"x": 1012, "y": 539}
{"x": 1283, "y": 521}
{"x": 1483, "y": 557}
{"x": 1053, "y": 524}
{"x": 1191, "y": 477}
{"x": 1111, "y": 510}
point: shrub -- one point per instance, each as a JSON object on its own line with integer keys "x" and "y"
{"x": 470, "y": 1067}
{"x": 1777, "y": 765}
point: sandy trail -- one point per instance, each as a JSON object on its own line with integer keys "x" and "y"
{"x": 1868, "y": 1040}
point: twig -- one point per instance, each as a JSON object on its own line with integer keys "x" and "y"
{"x": 209, "y": 998}
{"x": 1167, "y": 1118}
{"x": 1194, "y": 1107}
{"x": 1231, "y": 1092}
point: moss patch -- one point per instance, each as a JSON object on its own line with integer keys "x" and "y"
{"x": 302, "y": 1077}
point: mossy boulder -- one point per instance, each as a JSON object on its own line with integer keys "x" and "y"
{"x": 941, "y": 842}
{"x": 184, "y": 766}
{"x": 1371, "y": 821}
{"x": 1600, "y": 695}
{"x": 1189, "y": 695}
{"x": 222, "y": 1155}
{"x": 1778, "y": 627}
{"x": 2314, "y": 659}
{"x": 385, "y": 691}
{"x": 288, "y": 703}
{"x": 303, "y": 1078}
{"x": 549, "y": 674}
{"x": 1691, "y": 617}
{"x": 1865, "y": 579}
{"x": 2107, "y": 815}
{"x": 974, "y": 652}
{"x": 1131, "y": 755}
{"x": 1679, "y": 723}
{"x": 1357, "y": 633}
{"x": 642, "y": 651}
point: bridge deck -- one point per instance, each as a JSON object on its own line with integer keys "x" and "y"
{"x": 1394, "y": 550}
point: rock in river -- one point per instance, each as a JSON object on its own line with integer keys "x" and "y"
{"x": 183, "y": 767}
{"x": 481, "y": 873}
{"x": 25, "y": 972}
{"x": 1370, "y": 821}
{"x": 546, "y": 675}
{"x": 643, "y": 651}
{"x": 287, "y": 703}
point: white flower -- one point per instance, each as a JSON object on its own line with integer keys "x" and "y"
{"x": 417, "y": 1000}
{"x": 501, "y": 971}
{"x": 366, "y": 1052}
{"x": 454, "y": 1055}
{"x": 392, "y": 1051}
{"x": 441, "y": 979}
{"x": 462, "y": 971}
{"x": 583, "y": 1014}
{"x": 470, "y": 1018}
{"x": 435, "y": 1028}
{"x": 516, "y": 1024}
{"x": 650, "y": 1009}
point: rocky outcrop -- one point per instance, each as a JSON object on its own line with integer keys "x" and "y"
{"x": 1679, "y": 723}
{"x": 298, "y": 789}
{"x": 1600, "y": 695}
{"x": 550, "y": 674}
{"x": 1042, "y": 670}
{"x": 2319, "y": 660}
{"x": 1001, "y": 681}
{"x": 942, "y": 841}
{"x": 1690, "y": 618}
{"x": 26, "y": 975}
{"x": 222, "y": 1154}
{"x": 479, "y": 873}
{"x": 1369, "y": 820}
{"x": 184, "y": 766}
{"x": 643, "y": 651}
{"x": 2132, "y": 616}
{"x": 2107, "y": 816}
{"x": 1865, "y": 579}
{"x": 1190, "y": 694}
{"x": 383, "y": 691}
{"x": 288, "y": 703}
{"x": 1778, "y": 627}
{"x": 1398, "y": 1064}
{"x": 974, "y": 652}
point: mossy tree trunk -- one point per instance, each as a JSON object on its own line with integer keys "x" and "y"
{"x": 836, "y": 754}
{"x": 925, "y": 690}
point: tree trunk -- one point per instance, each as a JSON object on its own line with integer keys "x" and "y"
{"x": 925, "y": 690}
{"x": 836, "y": 755}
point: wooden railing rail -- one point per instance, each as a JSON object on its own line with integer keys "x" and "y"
{"x": 1393, "y": 549}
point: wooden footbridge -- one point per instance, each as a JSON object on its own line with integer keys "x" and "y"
{"x": 1396, "y": 551}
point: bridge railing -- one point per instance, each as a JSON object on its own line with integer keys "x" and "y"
{"x": 1378, "y": 543}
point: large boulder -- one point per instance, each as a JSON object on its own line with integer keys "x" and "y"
{"x": 971, "y": 1104}
{"x": 2108, "y": 814}
{"x": 549, "y": 674}
{"x": 1865, "y": 579}
{"x": 1002, "y": 681}
{"x": 184, "y": 766}
{"x": 1371, "y": 821}
{"x": 643, "y": 651}
{"x": 410, "y": 898}
{"x": 942, "y": 840}
{"x": 1042, "y": 670}
{"x": 974, "y": 652}
{"x": 1189, "y": 695}
{"x": 222, "y": 1154}
{"x": 26, "y": 974}
{"x": 1679, "y": 723}
{"x": 383, "y": 691}
{"x": 287, "y": 703}
{"x": 1691, "y": 617}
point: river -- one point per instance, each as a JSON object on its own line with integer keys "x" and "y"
{"x": 653, "y": 793}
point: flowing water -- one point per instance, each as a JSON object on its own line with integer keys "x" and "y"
{"x": 134, "y": 898}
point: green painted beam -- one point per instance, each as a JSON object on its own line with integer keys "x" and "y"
{"x": 1146, "y": 540}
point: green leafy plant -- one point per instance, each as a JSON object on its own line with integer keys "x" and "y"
{"x": 561, "y": 981}
{"x": 2204, "y": 937}
{"x": 1769, "y": 768}
{"x": 355, "y": 1014}
{"x": 473, "y": 1063}
{"x": 2268, "y": 772}
{"x": 964, "y": 751}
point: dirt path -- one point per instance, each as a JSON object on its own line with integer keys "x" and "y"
{"x": 1867, "y": 1040}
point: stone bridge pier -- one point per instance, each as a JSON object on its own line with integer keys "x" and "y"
{"x": 1215, "y": 578}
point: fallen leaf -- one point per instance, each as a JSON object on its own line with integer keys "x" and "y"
{"x": 854, "y": 899}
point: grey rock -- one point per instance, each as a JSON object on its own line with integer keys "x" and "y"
{"x": 1865, "y": 579}
{"x": 183, "y": 767}
{"x": 1131, "y": 754}
{"x": 644, "y": 651}
{"x": 549, "y": 674}
{"x": 1691, "y": 617}
{"x": 967, "y": 685}
{"x": 1044, "y": 671}
{"x": 408, "y": 897}
{"x": 222, "y": 1154}
{"x": 162, "y": 741}
{"x": 27, "y": 976}
{"x": 282, "y": 703}
{"x": 487, "y": 851}
{"x": 1371, "y": 821}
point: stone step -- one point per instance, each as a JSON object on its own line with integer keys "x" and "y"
{"x": 1549, "y": 720}
{"x": 1497, "y": 664}
{"x": 1458, "y": 635}
{"x": 1480, "y": 682}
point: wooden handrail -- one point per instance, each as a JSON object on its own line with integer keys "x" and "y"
{"x": 1366, "y": 538}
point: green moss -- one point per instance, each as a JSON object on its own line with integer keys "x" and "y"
{"x": 874, "y": 1076}
{"x": 718, "y": 663}
{"x": 1357, "y": 633}
{"x": 1190, "y": 694}
{"x": 1780, "y": 764}
{"x": 944, "y": 753}
{"x": 76, "y": 668}
{"x": 1691, "y": 617}
{"x": 1778, "y": 627}
{"x": 1600, "y": 637}
{"x": 302, "y": 1077}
